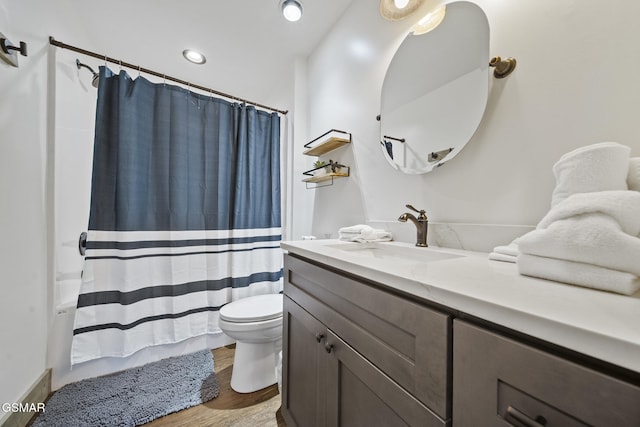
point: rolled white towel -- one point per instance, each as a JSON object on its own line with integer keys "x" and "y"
{"x": 577, "y": 273}
{"x": 633, "y": 177}
{"x": 596, "y": 167}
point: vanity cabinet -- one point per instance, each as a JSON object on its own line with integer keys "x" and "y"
{"x": 498, "y": 381}
{"x": 357, "y": 355}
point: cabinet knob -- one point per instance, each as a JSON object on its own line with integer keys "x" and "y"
{"x": 319, "y": 337}
{"x": 328, "y": 347}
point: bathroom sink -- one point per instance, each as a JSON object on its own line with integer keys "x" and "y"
{"x": 391, "y": 252}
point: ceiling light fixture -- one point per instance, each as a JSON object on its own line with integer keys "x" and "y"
{"x": 429, "y": 21}
{"x": 395, "y": 10}
{"x": 194, "y": 56}
{"x": 291, "y": 10}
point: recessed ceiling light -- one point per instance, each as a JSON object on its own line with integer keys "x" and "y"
{"x": 193, "y": 56}
{"x": 291, "y": 9}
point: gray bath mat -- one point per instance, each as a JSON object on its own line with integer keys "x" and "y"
{"x": 135, "y": 396}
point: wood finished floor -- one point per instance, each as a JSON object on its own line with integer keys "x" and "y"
{"x": 229, "y": 409}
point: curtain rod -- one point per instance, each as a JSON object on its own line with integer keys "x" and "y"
{"x": 57, "y": 43}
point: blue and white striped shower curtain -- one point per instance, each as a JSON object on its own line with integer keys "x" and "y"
{"x": 185, "y": 215}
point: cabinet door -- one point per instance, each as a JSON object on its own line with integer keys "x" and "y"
{"x": 359, "y": 394}
{"x": 409, "y": 342}
{"x": 303, "y": 366}
{"x": 498, "y": 381}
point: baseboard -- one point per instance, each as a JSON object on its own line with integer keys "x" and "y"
{"x": 37, "y": 394}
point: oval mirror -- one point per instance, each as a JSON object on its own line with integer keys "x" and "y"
{"x": 435, "y": 91}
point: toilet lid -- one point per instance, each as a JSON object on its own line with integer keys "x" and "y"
{"x": 253, "y": 309}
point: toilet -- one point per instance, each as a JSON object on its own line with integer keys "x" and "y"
{"x": 256, "y": 325}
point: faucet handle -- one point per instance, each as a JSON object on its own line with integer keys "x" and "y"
{"x": 422, "y": 214}
{"x": 421, "y": 211}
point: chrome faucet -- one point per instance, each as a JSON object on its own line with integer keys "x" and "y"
{"x": 420, "y": 222}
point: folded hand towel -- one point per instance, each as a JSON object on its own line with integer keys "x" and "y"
{"x": 496, "y": 256}
{"x": 354, "y": 229}
{"x": 363, "y": 233}
{"x": 506, "y": 253}
{"x": 633, "y": 177}
{"x": 589, "y": 238}
{"x": 577, "y": 273}
{"x": 596, "y": 167}
{"x": 374, "y": 235}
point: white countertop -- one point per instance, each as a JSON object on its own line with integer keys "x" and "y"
{"x": 596, "y": 323}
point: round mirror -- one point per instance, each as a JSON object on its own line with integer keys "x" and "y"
{"x": 435, "y": 91}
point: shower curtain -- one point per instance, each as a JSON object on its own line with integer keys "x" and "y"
{"x": 184, "y": 216}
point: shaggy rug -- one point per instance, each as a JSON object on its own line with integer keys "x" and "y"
{"x": 135, "y": 396}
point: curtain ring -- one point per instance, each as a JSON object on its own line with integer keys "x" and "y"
{"x": 164, "y": 79}
{"x": 138, "y": 71}
{"x": 105, "y": 61}
{"x": 120, "y": 64}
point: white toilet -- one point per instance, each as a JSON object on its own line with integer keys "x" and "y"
{"x": 256, "y": 325}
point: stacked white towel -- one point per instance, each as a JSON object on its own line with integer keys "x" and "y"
{"x": 363, "y": 233}
{"x": 596, "y": 167}
{"x": 588, "y": 239}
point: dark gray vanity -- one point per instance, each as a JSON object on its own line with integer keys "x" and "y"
{"x": 362, "y": 352}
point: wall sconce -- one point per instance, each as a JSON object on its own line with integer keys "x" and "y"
{"x": 9, "y": 52}
{"x": 503, "y": 67}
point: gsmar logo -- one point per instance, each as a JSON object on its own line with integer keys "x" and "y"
{"x": 23, "y": 407}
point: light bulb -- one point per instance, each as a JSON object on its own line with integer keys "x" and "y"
{"x": 400, "y": 4}
{"x": 193, "y": 56}
{"x": 292, "y": 10}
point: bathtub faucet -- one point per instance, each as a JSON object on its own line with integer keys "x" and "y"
{"x": 420, "y": 222}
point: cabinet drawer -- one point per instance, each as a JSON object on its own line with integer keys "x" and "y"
{"x": 407, "y": 341}
{"x": 499, "y": 381}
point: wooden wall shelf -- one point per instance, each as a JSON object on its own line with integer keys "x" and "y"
{"x": 326, "y": 177}
{"x": 327, "y": 142}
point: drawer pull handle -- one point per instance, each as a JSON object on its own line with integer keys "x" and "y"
{"x": 319, "y": 337}
{"x": 525, "y": 420}
{"x": 328, "y": 347}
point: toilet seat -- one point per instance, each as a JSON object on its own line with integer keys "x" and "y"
{"x": 253, "y": 309}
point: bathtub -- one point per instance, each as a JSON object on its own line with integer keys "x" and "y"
{"x": 59, "y": 350}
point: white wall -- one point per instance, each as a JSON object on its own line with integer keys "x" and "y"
{"x": 576, "y": 83}
{"x": 23, "y": 214}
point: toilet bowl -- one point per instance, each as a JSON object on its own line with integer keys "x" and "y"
{"x": 256, "y": 325}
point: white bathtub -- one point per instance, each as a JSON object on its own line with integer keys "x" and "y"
{"x": 59, "y": 350}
